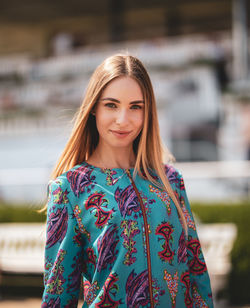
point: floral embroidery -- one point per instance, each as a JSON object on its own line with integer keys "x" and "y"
{"x": 172, "y": 282}
{"x": 198, "y": 300}
{"x": 187, "y": 216}
{"x": 130, "y": 229}
{"x": 77, "y": 212}
{"x": 163, "y": 196}
{"x": 56, "y": 281}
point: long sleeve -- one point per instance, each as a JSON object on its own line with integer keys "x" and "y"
{"x": 199, "y": 278}
{"x": 63, "y": 251}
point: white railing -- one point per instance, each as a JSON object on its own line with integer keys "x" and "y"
{"x": 26, "y": 126}
{"x": 190, "y": 170}
{"x": 22, "y": 249}
{"x": 217, "y": 241}
{"x": 215, "y": 169}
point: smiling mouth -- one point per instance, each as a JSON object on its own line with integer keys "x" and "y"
{"x": 120, "y": 133}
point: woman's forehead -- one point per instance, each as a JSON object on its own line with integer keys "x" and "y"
{"x": 121, "y": 87}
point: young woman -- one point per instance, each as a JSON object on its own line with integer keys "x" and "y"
{"x": 118, "y": 220}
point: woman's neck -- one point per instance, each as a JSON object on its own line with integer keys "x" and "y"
{"x": 106, "y": 157}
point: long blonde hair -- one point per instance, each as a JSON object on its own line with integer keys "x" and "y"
{"x": 147, "y": 146}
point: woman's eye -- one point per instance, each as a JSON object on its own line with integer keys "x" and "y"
{"x": 110, "y": 105}
{"x": 136, "y": 107}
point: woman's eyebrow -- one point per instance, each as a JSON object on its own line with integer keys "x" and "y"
{"x": 117, "y": 101}
{"x": 137, "y": 102}
{"x": 110, "y": 99}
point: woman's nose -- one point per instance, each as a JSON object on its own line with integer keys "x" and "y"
{"x": 121, "y": 117}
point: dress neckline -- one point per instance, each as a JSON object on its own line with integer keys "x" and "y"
{"x": 103, "y": 168}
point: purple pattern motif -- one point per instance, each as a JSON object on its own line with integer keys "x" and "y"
{"x": 75, "y": 276}
{"x": 171, "y": 173}
{"x": 137, "y": 290}
{"x": 182, "y": 249}
{"x": 127, "y": 200}
{"x": 57, "y": 226}
{"x": 81, "y": 179}
{"x": 106, "y": 246}
{"x": 52, "y": 303}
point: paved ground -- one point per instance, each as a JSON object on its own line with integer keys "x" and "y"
{"x": 36, "y": 303}
{"x": 24, "y": 303}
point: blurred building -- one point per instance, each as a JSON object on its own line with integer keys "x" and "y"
{"x": 35, "y": 25}
{"x": 188, "y": 48}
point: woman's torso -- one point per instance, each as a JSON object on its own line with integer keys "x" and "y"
{"x": 115, "y": 227}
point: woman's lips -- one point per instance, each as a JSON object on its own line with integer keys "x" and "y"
{"x": 120, "y": 134}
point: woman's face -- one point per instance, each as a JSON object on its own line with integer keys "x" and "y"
{"x": 120, "y": 113}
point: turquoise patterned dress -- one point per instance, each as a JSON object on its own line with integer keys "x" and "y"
{"x": 120, "y": 241}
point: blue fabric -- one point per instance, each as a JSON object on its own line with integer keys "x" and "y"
{"x": 96, "y": 239}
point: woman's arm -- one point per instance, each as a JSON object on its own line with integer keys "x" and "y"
{"x": 63, "y": 251}
{"x": 199, "y": 278}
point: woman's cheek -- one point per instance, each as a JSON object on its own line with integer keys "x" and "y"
{"x": 139, "y": 117}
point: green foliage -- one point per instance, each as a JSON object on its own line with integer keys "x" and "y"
{"x": 239, "y": 278}
{"x": 20, "y": 213}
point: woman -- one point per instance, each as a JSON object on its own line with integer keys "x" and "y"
{"x": 118, "y": 219}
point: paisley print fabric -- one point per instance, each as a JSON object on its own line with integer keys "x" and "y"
{"x": 96, "y": 243}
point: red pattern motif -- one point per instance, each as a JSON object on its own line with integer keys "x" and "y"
{"x": 185, "y": 279}
{"x": 110, "y": 286}
{"x": 166, "y": 230}
{"x": 197, "y": 266}
{"x": 96, "y": 201}
{"x": 91, "y": 256}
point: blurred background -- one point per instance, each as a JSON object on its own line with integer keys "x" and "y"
{"x": 197, "y": 54}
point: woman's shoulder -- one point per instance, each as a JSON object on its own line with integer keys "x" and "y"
{"x": 75, "y": 179}
{"x": 173, "y": 174}
{"x": 63, "y": 179}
